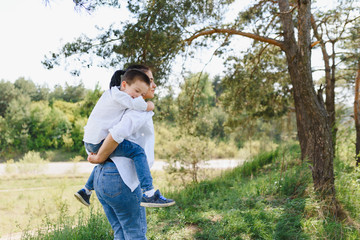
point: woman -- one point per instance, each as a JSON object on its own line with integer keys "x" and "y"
{"x": 115, "y": 181}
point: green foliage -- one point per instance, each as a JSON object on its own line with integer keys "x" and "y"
{"x": 77, "y": 134}
{"x": 94, "y": 226}
{"x": 5, "y": 137}
{"x": 26, "y": 87}
{"x": 186, "y": 155}
{"x": 17, "y": 117}
{"x": 256, "y": 88}
{"x": 167, "y": 138}
{"x": 166, "y": 108}
{"x": 51, "y": 129}
{"x": 223, "y": 150}
{"x": 194, "y": 100}
{"x": 70, "y": 109}
{"x": 71, "y": 93}
{"x": 89, "y": 101}
{"x": 31, "y": 163}
{"x": 74, "y": 93}
{"x": 8, "y": 92}
{"x": 339, "y": 28}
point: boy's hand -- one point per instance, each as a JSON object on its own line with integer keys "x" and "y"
{"x": 92, "y": 158}
{"x": 150, "y": 106}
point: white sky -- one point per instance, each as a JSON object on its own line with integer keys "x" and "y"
{"x": 30, "y": 30}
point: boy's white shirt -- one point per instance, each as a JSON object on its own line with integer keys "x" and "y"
{"x": 137, "y": 127}
{"x": 107, "y": 113}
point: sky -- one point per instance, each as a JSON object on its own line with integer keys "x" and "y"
{"x": 31, "y": 29}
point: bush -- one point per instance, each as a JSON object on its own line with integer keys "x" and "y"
{"x": 31, "y": 163}
{"x": 185, "y": 156}
{"x": 223, "y": 150}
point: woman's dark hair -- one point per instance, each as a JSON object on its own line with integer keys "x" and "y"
{"x": 116, "y": 77}
{"x": 133, "y": 75}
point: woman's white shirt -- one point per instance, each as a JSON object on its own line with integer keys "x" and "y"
{"x": 137, "y": 127}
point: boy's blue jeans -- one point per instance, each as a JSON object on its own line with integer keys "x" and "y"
{"x": 130, "y": 150}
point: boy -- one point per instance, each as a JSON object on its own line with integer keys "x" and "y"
{"x": 103, "y": 121}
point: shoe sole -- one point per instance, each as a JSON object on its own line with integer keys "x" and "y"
{"x": 78, "y": 197}
{"x": 143, "y": 204}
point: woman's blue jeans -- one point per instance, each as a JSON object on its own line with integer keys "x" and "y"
{"x": 121, "y": 206}
{"x": 130, "y": 150}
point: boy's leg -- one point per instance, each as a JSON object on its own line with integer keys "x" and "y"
{"x": 84, "y": 194}
{"x": 90, "y": 182}
{"x": 151, "y": 197}
{"x": 137, "y": 154}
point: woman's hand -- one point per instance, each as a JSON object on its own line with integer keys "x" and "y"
{"x": 93, "y": 158}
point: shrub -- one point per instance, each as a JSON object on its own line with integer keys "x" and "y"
{"x": 31, "y": 163}
{"x": 223, "y": 150}
{"x": 186, "y": 155}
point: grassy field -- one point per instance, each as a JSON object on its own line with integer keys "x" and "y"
{"x": 29, "y": 202}
{"x": 26, "y": 202}
{"x": 270, "y": 197}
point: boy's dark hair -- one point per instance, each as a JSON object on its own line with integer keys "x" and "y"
{"x": 116, "y": 77}
{"x": 133, "y": 75}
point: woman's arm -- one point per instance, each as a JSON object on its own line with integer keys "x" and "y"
{"x": 131, "y": 122}
{"x": 108, "y": 146}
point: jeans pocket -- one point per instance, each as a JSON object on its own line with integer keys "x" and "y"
{"x": 111, "y": 184}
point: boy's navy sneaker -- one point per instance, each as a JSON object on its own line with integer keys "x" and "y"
{"x": 83, "y": 197}
{"x": 157, "y": 200}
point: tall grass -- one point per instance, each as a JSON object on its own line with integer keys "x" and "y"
{"x": 270, "y": 197}
{"x": 92, "y": 226}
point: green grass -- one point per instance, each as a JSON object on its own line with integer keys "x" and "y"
{"x": 27, "y": 201}
{"x": 270, "y": 197}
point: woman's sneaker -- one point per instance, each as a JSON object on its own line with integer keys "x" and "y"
{"x": 157, "y": 200}
{"x": 83, "y": 197}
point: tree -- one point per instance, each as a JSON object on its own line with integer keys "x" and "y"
{"x": 352, "y": 73}
{"x": 155, "y": 39}
{"x": 18, "y": 117}
{"x": 74, "y": 93}
{"x": 26, "y": 87}
{"x": 312, "y": 119}
{"x": 261, "y": 84}
{"x": 89, "y": 101}
{"x": 57, "y": 93}
{"x": 157, "y": 35}
{"x": 332, "y": 28}
{"x": 194, "y": 101}
{"x": 7, "y": 93}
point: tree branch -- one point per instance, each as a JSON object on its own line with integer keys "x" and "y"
{"x": 235, "y": 32}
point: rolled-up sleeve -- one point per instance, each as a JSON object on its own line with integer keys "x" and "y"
{"x": 129, "y": 124}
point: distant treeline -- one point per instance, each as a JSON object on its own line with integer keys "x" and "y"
{"x": 35, "y": 118}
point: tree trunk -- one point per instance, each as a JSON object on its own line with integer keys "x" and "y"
{"x": 330, "y": 98}
{"x": 357, "y": 114}
{"x": 312, "y": 119}
{"x": 330, "y": 82}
